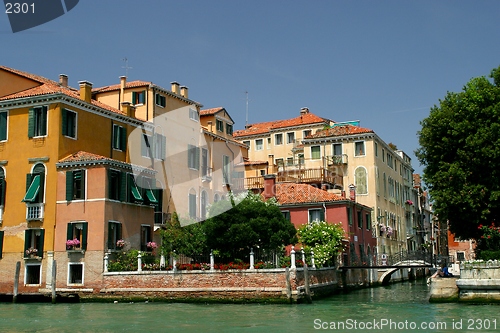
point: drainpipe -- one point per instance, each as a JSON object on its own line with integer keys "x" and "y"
{"x": 324, "y": 207}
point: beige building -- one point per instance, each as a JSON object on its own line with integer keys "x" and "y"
{"x": 381, "y": 174}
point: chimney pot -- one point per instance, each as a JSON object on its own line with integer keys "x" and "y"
{"x": 210, "y": 126}
{"x": 85, "y": 91}
{"x": 304, "y": 111}
{"x": 175, "y": 87}
{"x": 63, "y": 80}
{"x": 184, "y": 91}
{"x": 128, "y": 109}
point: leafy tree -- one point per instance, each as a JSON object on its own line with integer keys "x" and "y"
{"x": 189, "y": 240}
{"x": 323, "y": 238}
{"x": 251, "y": 223}
{"x": 460, "y": 151}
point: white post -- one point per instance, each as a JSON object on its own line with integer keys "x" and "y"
{"x": 303, "y": 256}
{"x": 174, "y": 261}
{"x": 251, "y": 259}
{"x": 292, "y": 258}
{"x": 312, "y": 259}
{"x": 162, "y": 260}
{"x": 139, "y": 262}
{"x": 106, "y": 262}
{"x": 212, "y": 260}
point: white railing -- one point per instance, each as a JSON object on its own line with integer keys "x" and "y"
{"x": 34, "y": 211}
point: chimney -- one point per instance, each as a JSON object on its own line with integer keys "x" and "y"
{"x": 269, "y": 186}
{"x": 210, "y": 127}
{"x": 128, "y": 109}
{"x": 175, "y": 87}
{"x": 85, "y": 91}
{"x": 352, "y": 192}
{"x": 304, "y": 111}
{"x": 63, "y": 80}
{"x": 184, "y": 91}
{"x": 123, "y": 83}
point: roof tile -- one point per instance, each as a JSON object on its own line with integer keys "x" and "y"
{"x": 292, "y": 193}
{"x": 340, "y": 131}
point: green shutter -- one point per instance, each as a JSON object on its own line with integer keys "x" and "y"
{"x": 44, "y": 121}
{"x": 151, "y": 197}
{"x": 69, "y": 185}
{"x": 133, "y": 188}
{"x": 39, "y": 246}
{"x": 119, "y": 231}
{"x": 144, "y": 145}
{"x": 322, "y": 215}
{"x": 33, "y": 189}
{"x": 85, "y": 230}
{"x": 3, "y": 185}
{"x": 31, "y": 123}
{"x": 1, "y": 243}
{"x": 110, "y": 237}
{"x": 64, "y": 122}
{"x": 110, "y": 176}
{"x": 123, "y": 186}
{"x": 123, "y": 139}
{"x": 27, "y": 240}
{"x": 197, "y": 158}
{"x": 134, "y": 97}
{"x": 69, "y": 231}
{"x": 3, "y": 126}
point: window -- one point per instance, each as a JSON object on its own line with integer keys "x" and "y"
{"x": 315, "y": 152}
{"x": 75, "y": 273}
{"x": 220, "y": 125}
{"x": 119, "y": 137}
{"x": 146, "y": 237}
{"x": 37, "y": 121}
{"x": 206, "y": 171}
{"x": 226, "y": 169}
{"x": 259, "y": 144}
{"x": 33, "y": 242}
{"x": 69, "y": 123}
{"x": 34, "y": 196}
{"x": 193, "y": 157}
{"x": 286, "y": 215}
{"x": 359, "y": 148}
{"x": 376, "y": 149}
{"x": 1, "y": 243}
{"x": 460, "y": 256}
{"x": 306, "y": 133}
{"x": 247, "y": 142}
{"x": 160, "y": 100}
{"x": 3, "y": 125}
{"x": 383, "y": 155}
{"x": 360, "y": 180}
{"x": 79, "y": 231}
{"x": 337, "y": 149}
{"x": 149, "y": 195}
{"x": 268, "y": 143}
{"x": 146, "y": 146}
{"x": 349, "y": 215}
{"x": 316, "y": 215}
{"x": 33, "y": 274}
{"x": 116, "y": 182}
{"x": 278, "y": 139}
{"x": 289, "y": 161}
{"x": 160, "y": 146}
{"x": 133, "y": 192}
{"x": 138, "y": 97}
{"x": 216, "y": 197}
{"x": 114, "y": 234}
{"x": 192, "y": 204}
{"x": 360, "y": 219}
{"x": 290, "y": 137}
{"x": 279, "y": 162}
{"x": 301, "y": 159}
{"x": 193, "y": 114}
{"x": 368, "y": 218}
{"x": 75, "y": 185}
{"x": 203, "y": 205}
{"x": 229, "y": 129}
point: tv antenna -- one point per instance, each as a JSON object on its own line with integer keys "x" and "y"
{"x": 246, "y": 118}
{"x": 126, "y": 66}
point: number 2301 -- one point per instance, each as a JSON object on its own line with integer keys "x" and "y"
{"x": 19, "y": 8}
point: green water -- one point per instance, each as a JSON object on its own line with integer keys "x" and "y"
{"x": 401, "y": 305}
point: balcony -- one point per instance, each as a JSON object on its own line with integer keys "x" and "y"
{"x": 206, "y": 174}
{"x": 34, "y": 211}
{"x": 336, "y": 159}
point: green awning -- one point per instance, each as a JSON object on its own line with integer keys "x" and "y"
{"x": 135, "y": 192}
{"x": 32, "y": 190}
{"x": 151, "y": 196}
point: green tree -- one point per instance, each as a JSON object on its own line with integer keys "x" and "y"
{"x": 251, "y": 223}
{"x": 189, "y": 240}
{"x": 323, "y": 238}
{"x": 460, "y": 152}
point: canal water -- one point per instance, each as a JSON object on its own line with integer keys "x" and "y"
{"x": 400, "y": 307}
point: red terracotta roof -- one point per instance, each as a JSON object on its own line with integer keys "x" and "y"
{"x": 340, "y": 131}
{"x": 255, "y": 162}
{"x": 83, "y": 156}
{"x": 131, "y": 84}
{"x": 48, "y": 87}
{"x": 265, "y": 127}
{"x": 291, "y": 193}
{"x": 211, "y": 111}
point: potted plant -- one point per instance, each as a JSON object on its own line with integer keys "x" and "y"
{"x": 72, "y": 244}
{"x": 31, "y": 252}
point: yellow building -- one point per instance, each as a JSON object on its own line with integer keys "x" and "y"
{"x": 42, "y": 124}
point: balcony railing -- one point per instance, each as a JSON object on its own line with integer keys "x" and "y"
{"x": 336, "y": 159}
{"x": 34, "y": 211}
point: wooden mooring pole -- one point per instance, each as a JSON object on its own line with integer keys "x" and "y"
{"x": 54, "y": 273}
{"x": 16, "y": 281}
{"x": 306, "y": 285}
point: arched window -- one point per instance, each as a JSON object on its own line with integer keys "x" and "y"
{"x": 360, "y": 180}
{"x": 216, "y": 197}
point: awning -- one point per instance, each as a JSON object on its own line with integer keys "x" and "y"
{"x": 151, "y": 196}
{"x": 135, "y": 192}
{"x": 33, "y": 189}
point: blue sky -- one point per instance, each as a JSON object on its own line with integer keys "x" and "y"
{"x": 384, "y": 63}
